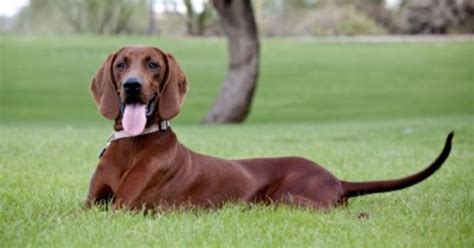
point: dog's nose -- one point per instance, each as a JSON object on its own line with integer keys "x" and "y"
{"x": 132, "y": 85}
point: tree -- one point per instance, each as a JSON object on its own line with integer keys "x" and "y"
{"x": 196, "y": 23}
{"x": 235, "y": 98}
{"x": 152, "y": 29}
{"x": 82, "y": 16}
{"x": 436, "y": 16}
{"x": 376, "y": 10}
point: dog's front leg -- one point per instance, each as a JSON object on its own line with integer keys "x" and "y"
{"x": 99, "y": 191}
{"x": 130, "y": 191}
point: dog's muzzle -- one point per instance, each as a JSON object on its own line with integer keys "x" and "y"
{"x": 132, "y": 88}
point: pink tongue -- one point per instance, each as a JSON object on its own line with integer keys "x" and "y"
{"x": 134, "y": 118}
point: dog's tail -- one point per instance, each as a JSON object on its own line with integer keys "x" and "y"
{"x": 353, "y": 189}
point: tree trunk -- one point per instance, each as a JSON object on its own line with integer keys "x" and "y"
{"x": 190, "y": 22}
{"x": 152, "y": 29}
{"x": 235, "y": 98}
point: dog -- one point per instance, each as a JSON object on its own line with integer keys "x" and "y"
{"x": 144, "y": 167}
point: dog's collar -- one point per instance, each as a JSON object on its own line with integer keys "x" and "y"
{"x": 162, "y": 126}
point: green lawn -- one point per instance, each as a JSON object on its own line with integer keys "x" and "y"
{"x": 365, "y": 111}
{"x": 300, "y": 81}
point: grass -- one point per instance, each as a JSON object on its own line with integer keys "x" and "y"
{"x": 365, "y": 111}
{"x": 300, "y": 80}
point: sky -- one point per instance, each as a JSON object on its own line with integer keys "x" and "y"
{"x": 11, "y": 7}
{"x": 391, "y": 3}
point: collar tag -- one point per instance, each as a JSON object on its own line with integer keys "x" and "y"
{"x": 164, "y": 125}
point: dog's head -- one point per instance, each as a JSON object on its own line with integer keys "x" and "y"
{"x": 138, "y": 85}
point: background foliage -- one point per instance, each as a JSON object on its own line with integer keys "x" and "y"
{"x": 274, "y": 17}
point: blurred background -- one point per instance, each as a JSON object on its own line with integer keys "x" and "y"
{"x": 313, "y": 60}
{"x": 274, "y": 17}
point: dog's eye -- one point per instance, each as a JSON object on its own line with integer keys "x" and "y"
{"x": 121, "y": 65}
{"x": 152, "y": 65}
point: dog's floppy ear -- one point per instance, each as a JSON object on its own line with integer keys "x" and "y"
{"x": 103, "y": 90}
{"x": 173, "y": 91}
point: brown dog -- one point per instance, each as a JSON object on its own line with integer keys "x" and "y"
{"x": 141, "y": 89}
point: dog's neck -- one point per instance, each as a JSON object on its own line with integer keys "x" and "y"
{"x": 162, "y": 128}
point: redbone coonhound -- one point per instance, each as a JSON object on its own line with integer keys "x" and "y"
{"x": 145, "y": 166}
